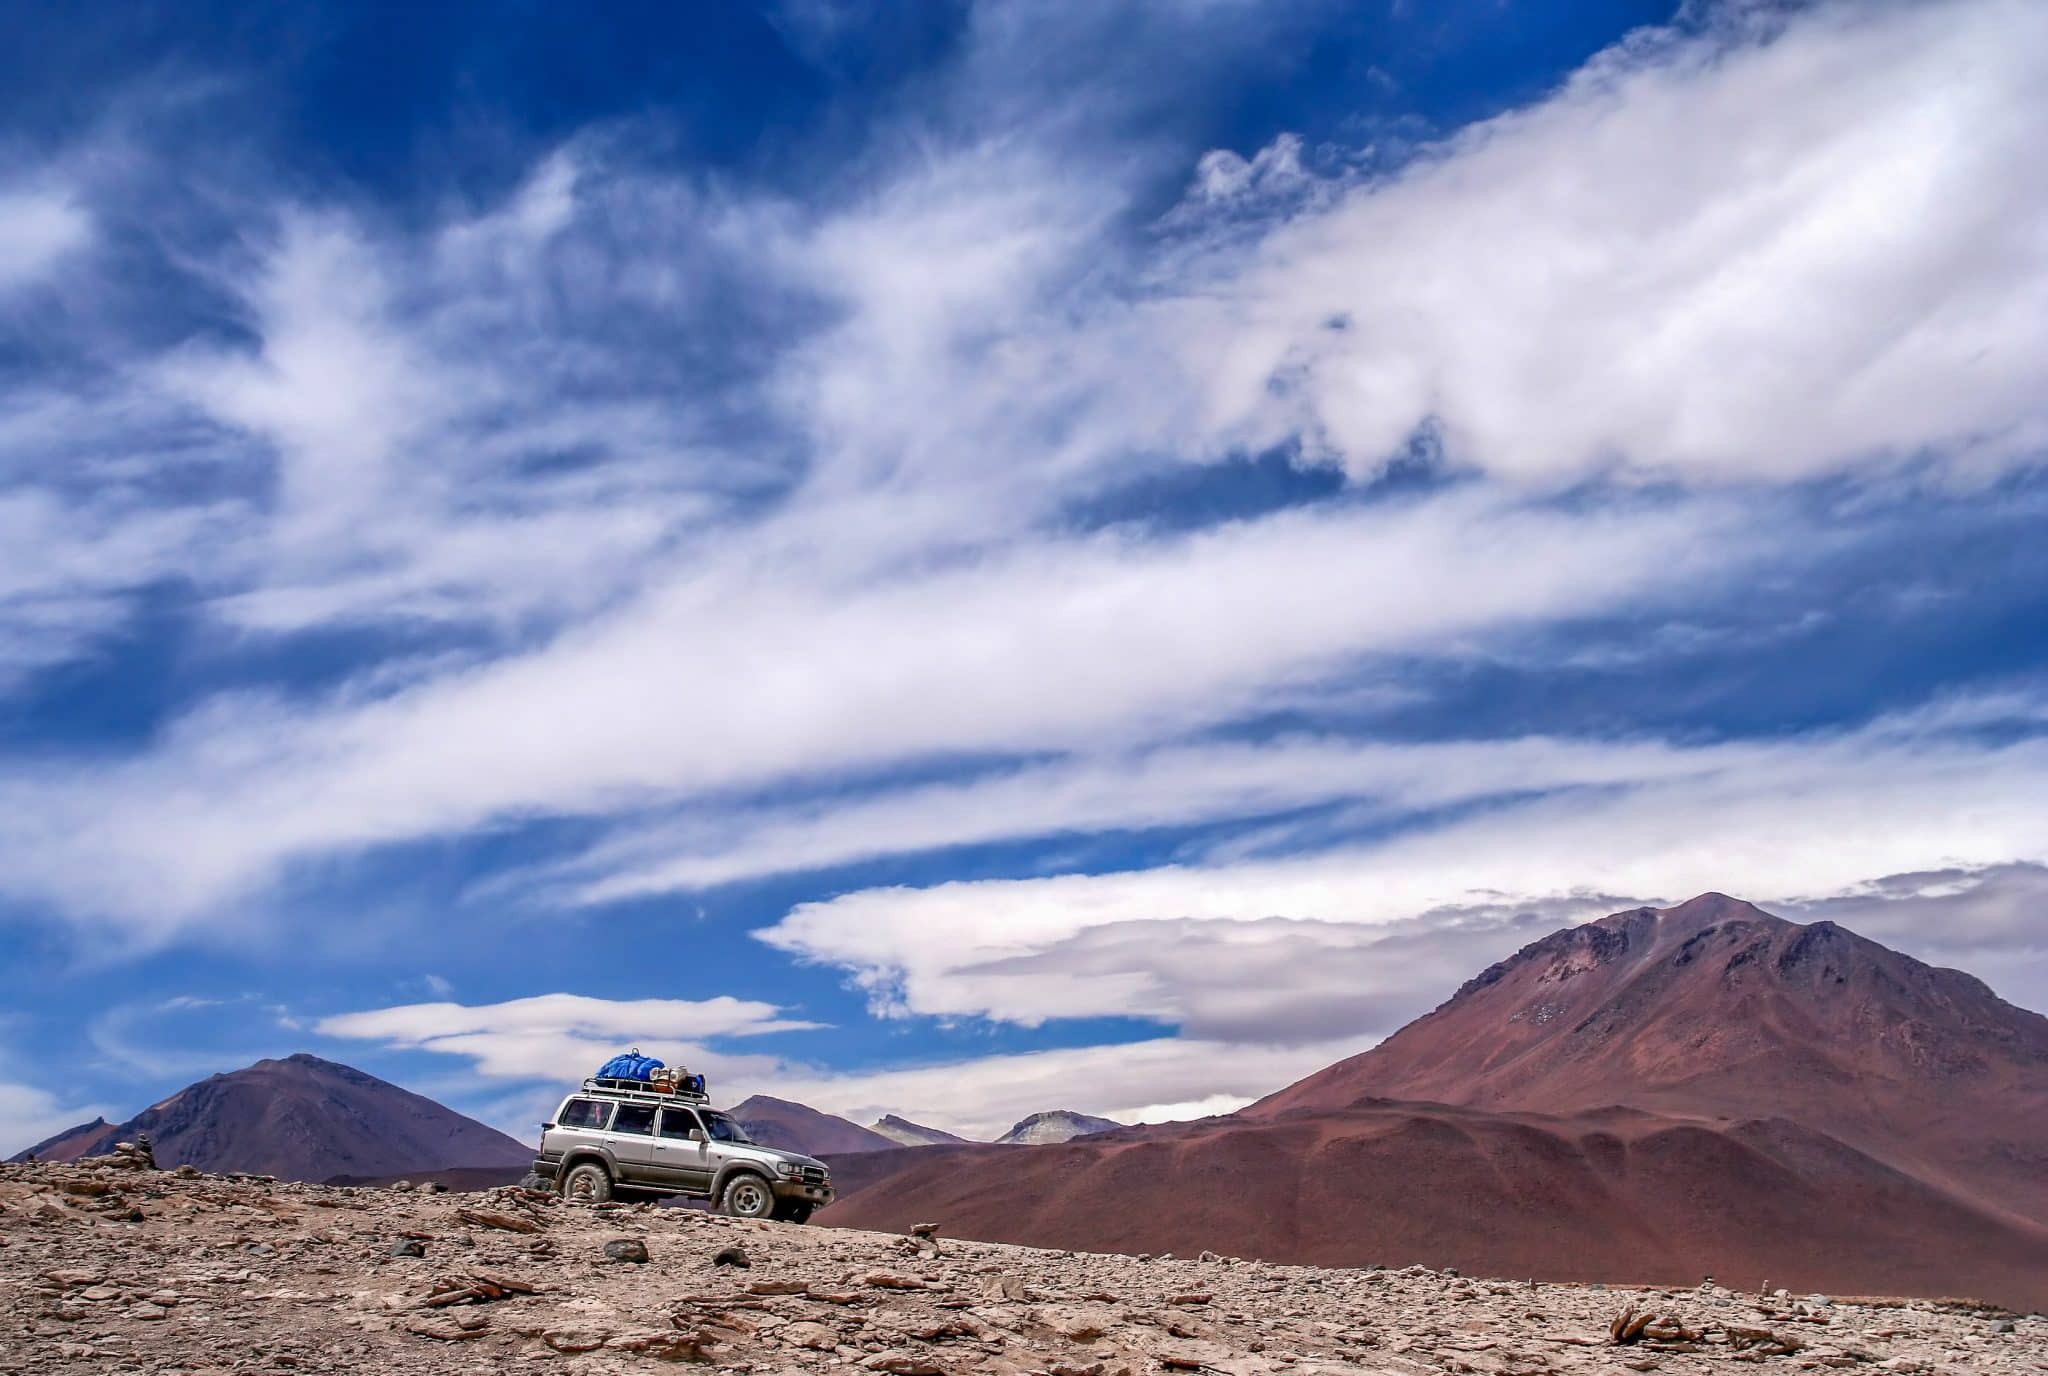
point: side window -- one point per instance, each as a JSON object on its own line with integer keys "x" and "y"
{"x": 637, "y": 1119}
{"x": 678, "y": 1123}
{"x": 583, "y": 1113}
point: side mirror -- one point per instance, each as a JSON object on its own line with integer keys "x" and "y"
{"x": 547, "y": 1127}
{"x": 696, "y": 1134}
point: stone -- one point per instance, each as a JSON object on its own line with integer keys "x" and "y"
{"x": 575, "y": 1339}
{"x": 407, "y": 1247}
{"x": 1003, "y": 1287}
{"x": 629, "y": 1249}
{"x": 732, "y": 1256}
{"x": 892, "y": 1280}
{"x": 812, "y": 1335}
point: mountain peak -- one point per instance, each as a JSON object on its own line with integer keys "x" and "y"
{"x": 901, "y": 1130}
{"x": 1056, "y": 1125}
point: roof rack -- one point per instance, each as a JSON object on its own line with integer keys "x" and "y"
{"x": 646, "y": 1089}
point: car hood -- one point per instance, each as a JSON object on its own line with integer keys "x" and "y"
{"x": 782, "y": 1154}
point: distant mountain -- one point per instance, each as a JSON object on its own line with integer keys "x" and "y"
{"x": 1055, "y": 1125}
{"x": 799, "y": 1127}
{"x": 87, "y": 1139}
{"x": 1652, "y": 1097}
{"x": 906, "y": 1133}
{"x": 301, "y": 1118}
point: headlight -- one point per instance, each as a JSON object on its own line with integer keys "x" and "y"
{"x": 788, "y": 1170}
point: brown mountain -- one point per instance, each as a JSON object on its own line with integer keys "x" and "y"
{"x": 1716, "y": 1009}
{"x": 799, "y": 1127}
{"x": 303, "y": 1118}
{"x": 87, "y": 1139}
{"x": 1652, "y": 1097}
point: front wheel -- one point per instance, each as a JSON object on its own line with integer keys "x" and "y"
{"x": 588, "y": 1183}
{"x": 747, "y": 1196}
{"x": 793, "y": 1210}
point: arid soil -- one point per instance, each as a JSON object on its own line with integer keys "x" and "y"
{"x": 125, "y": 1269}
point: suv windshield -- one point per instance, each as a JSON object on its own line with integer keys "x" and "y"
{"x": 722, "y": 1128}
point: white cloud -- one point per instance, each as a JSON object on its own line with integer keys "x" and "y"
{"x": 560, "y": 1038}
{"x": 1760, "y": 253}
{"x": 1176, "y": 785}
{"x": 38, "y": 227}
{"x": 694, "y": 689}
{"x": 1809, "y": 819}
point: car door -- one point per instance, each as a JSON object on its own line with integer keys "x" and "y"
{"x": 682, "y": 1158}
{"x": 631, "y": 1140}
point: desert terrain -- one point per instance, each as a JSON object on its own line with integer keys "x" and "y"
{"x": 121, "y": 1268}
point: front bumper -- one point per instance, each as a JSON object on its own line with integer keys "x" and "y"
{"x": 811, "y": 1192}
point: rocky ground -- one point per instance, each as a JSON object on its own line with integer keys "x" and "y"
{"x": 117, "y": 1267}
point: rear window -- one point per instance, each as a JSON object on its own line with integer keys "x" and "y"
{"x": 637, "y": 1119}
{"x": 583, "y": 1113}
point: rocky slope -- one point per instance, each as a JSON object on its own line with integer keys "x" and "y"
{"x": 1055, "y": 1125}
{"x": 302, "y": 1118}
{"x": 1654, "y": 1096}
{"x": 799, "y": 1127}
{"x": 118, "y": 1270}
{"x": 905, "y": 1133}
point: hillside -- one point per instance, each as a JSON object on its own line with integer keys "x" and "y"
{"x": 303, "y": 1118}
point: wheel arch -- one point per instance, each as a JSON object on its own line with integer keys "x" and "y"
{"x": 586, "y": 1156}
{"x": 726, "y": 1174}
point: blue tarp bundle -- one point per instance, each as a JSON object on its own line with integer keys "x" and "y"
{"x": 630, "y": 1066}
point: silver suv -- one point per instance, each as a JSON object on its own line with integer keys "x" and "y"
{"x": 607, "y": 1141}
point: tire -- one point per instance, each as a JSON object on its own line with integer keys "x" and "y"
{"x": 587, "y": 1183}
{"x": 747, "y": 1195}
{"x": 532, "y": 1180}
{"x": 792, "y": 1210}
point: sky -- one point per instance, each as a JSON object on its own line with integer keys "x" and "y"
{"x": 987, "y": 557}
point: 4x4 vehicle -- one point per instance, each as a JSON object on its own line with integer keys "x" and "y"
{"x": 623, "y": 1138}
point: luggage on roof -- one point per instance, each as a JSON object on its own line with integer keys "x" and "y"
{"x": 630, "y": 1066}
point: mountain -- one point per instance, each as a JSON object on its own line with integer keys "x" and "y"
{"x": 87, "y": 1139}
{"x": 905, "y": 1133}
{"x": 1658, "y": 1095}
{"x": 799, "y": 1127}
{"x": 1055, "y": 1125}
{"x": 303, "y": 1118}
{"x": 1720, "y": 1010}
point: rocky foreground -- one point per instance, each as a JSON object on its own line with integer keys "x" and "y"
{"x": 117, "y": 1267}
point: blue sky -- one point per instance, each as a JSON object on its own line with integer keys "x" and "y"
{"x": 995, "y": 557}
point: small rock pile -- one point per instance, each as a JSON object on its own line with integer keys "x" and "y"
{"x": 110, "y": 1266}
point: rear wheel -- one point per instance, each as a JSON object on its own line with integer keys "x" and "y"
{"x": 747, "y": 1196}
{"x": 587, "y": 1183}
{"x": 793, "y": 1210}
